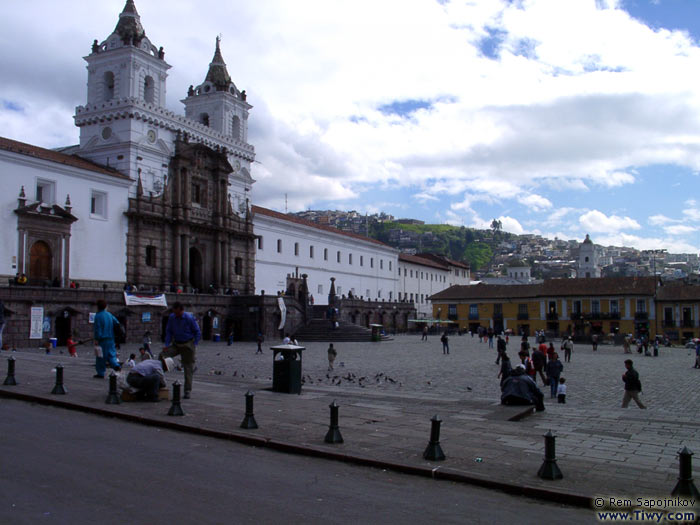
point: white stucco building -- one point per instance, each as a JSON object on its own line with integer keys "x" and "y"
{"x": 70, "y": 222}
{"x": 62, "y": 216}
{"x": 588, "y": 265}
{"x": 288, "y": 245}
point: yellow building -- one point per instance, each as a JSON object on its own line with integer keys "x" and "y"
{"x": 677, "y": 309}
{"x": 580, "y": 307}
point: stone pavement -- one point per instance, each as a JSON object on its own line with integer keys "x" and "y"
{"x": 602, "y": 449}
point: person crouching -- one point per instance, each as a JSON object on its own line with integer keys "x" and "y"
{"x": 148, "y": 377}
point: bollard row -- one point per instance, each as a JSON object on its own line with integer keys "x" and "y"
{"x": 685, "y": 487}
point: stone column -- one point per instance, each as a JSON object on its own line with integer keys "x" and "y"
{"x": 66, "y": 270}
{"x": 177, "y": 257}
{"x": 226, "y": 250}
{"x": 217, "y": 262}
{"x": 186, "y": 259}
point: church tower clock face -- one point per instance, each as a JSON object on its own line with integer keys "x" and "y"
{"x": 151, "y": 136}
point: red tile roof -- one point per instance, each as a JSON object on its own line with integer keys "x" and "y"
{"x": 422, "y": 261}
{"x": 678, "y": 292}
{"x": 311, "y": 224}
{"x": 59, "y": 158}
{"x": 444, "y": 260}
{"x": 553, "y": 288}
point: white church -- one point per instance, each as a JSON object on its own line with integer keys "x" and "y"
{"x": 158, "y": 199}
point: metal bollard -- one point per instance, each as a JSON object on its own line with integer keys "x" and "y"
{"x": 549, "y": 468}
{"x": 685, "y": 486}
{"x": 10, "y": 379}
{"x": 433, "y": 452}
{"x": 333, "y": 435}
{"x": 249, "y": 419}
{"x": 59, "y": 388}
{"x": 113, "y": 395}
{"x": 176, "y": 408}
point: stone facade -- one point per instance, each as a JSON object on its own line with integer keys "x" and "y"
{"x": 393, "y": 316}
{"x": 68, "y": 310}
{"x": 190, "y": 235}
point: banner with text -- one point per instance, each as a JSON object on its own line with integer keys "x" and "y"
{"x": 145, "y": 299}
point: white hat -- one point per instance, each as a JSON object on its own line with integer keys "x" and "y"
{"x": 521, "y": 366}
{"x": 168, "y": 364}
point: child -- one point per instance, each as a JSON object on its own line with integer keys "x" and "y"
{"x": 131, "y": 363}
{"x": 147, "y": 341}
{"x": 561, "y": 391}
{"x": 72, "y": 344}
{"x": 332, "y": 354}
{"x": 145, "y": 354}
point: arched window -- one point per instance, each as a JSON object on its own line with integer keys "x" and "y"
{"x": 149, "y": 89}
{"x": 236, "y": 127}
{"x": 109, "y": 85}
{"x": 204, "y": 119}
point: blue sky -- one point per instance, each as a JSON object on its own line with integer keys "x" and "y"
{"x": 558, "y": 117}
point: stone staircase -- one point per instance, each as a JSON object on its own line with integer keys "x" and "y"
{"x": 320, "y": 330}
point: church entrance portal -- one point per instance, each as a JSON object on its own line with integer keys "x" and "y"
{"x": 196, "y": 269}
{"x": 40, "y": 262}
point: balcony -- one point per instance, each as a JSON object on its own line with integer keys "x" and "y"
{"x": 669, "y": 323}
{"x": 473, "y": 317}
{"x": 598, "y": 316}
{"x": 523, "y": 317}
{"x": 552, "y": 316}
{"x": 498, "y": 317}
{"x": 687, "y": 323}
{"x": 641, "y": 316}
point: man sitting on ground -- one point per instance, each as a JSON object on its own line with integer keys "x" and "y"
{"x": 520, "y": 389}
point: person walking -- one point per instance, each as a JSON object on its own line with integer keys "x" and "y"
{"x": 489, "y": 334}
{"x": 445, "y": 343}
{"x": 425, "y": 333}
{"x": 633, "y": 386}
{"x": 568, "y": 346}
{"x": 332, "y": 354}
{"x": 182, "y": 335}
{"x": 500, "y": 349}
{"x": 626, "y": 345}
{"x": 554, "y": 368}
{"x": 506, "y": 368}
{"x": 656, "y": 347}
{"x": 697, "y": 354}
{"x": 103, "y": 333}
{"x": 260, "y": 340}
{"x": 594, "y": 342}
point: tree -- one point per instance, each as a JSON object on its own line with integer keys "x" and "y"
{"x": 496, "y": 226}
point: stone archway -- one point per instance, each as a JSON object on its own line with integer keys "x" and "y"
{"x": 196, "y": 268}
{"x": 40, "y": 262}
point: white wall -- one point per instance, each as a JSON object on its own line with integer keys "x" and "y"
{"x": 271, "y": 267}
{"x": 420, "y": 282}
{"x": 98, "y": 246}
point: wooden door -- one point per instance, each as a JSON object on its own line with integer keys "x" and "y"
{"x": 40, "y": 262}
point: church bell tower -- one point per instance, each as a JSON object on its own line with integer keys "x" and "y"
{"x": 126, "y": 87}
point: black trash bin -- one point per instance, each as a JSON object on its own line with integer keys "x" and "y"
{"x": 286, "y": 369}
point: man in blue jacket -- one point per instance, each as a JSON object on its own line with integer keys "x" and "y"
{"x": 103, "y": 332}
{"x": 181, "y": 338}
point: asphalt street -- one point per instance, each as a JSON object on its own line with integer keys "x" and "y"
{"x": 60, "y": 466}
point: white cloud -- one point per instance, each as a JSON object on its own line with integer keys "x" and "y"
{"x": 597, "y": 221}
{"x": 646, "y": 243}
{"x": 511, "y": 225}
{"x": 680, "y": 229}
{"x": 660, "y": 220}
{"x": 535, "y": 202}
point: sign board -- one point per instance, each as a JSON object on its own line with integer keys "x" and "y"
{"x": 215, "y": 323}
{"x": 47, "y": 324}
{"x": 146, "y": 317}
{"x": 36, "y": 322}
{"x": 145, "y": 299}
{"x": 91, "y": 317}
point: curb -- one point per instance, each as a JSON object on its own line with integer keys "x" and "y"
{"x": 438, "y": 473}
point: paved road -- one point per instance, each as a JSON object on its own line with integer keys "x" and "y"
{"x": 66, "y": 467}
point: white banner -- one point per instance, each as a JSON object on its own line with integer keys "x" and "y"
{"x": 36, "y": 323}
{"x": 283, "y": 313}
{"x": 145, "y": 299}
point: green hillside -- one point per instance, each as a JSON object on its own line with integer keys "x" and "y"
{"x": 456, "y": 242}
